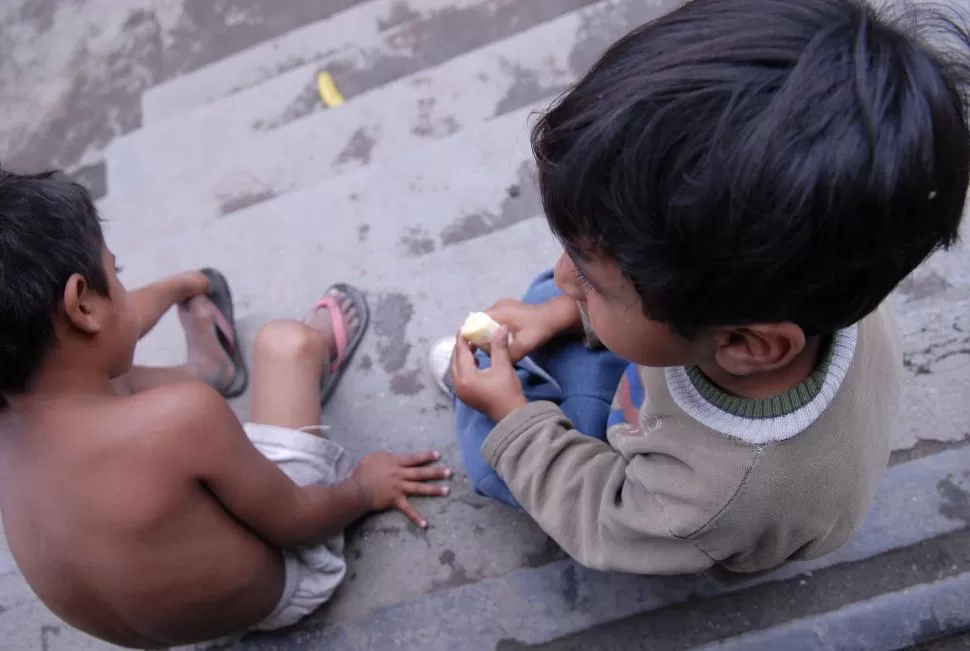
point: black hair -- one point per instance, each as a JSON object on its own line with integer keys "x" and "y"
{"x": 49, "y": 230}
{"x": 748, "y": 161}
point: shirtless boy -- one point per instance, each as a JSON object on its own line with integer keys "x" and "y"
{"x": 137, "y": 506}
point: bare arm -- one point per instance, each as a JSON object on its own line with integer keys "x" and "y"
{"x": 564, "y": 315}
{"x": 259, "y": 494}
{"x": 533, "y": 326}
{"x": 251, "y": 487}
{"x": 154, "y": 300}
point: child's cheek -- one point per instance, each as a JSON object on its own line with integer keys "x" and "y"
{"x": 597, "y": 321}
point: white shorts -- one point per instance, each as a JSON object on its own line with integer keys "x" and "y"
{"x": 313, "y": 572}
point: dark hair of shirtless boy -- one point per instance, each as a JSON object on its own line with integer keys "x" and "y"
{"x": 136, "y": 505}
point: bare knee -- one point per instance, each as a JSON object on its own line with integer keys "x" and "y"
{"x": 289, "y": 341}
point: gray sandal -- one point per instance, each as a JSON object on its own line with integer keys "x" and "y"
{"x": 221, "y": 297}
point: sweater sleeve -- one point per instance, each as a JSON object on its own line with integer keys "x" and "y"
{"x": 605, "y": 509}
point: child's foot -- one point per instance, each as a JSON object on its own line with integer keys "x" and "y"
{"x": 439, "y": 363}
{"x": 208, "y": 360}
{"x": 224, "y": 326}
{"x": 341, "y": 317}
{"x": 321, "y": 320}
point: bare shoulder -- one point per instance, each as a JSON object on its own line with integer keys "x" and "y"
{"x": 185, "y": 412}
{"x": 181, "y": 403}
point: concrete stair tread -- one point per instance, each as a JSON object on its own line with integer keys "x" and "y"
{"x": 286, "y": 198}
{"x": 392, "y": 30}
{"x": 433, "y": 193}
{"x": 355, "y": 27}
{"x": 389, "y": 401}
{"x": 222, "y": 162}
{"x": 372, "y": 223}
{"x": 200, "y": 134}
{"x": 897, "y": 620}
{"x": 533, "y": 606}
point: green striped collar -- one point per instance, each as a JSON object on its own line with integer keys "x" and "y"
{"x": 782, "y": 404}
{"x": 772, "y": 419}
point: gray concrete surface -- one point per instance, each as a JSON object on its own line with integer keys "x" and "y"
{"x": 415, "y": 213}
{"x": 74, "y": 70}
{"x": 534, "y": 606}
{"x": 202, "y": 153}
{"x": 958, "y": 642}
{"x": 888, "y": 622}
{"x": 432, "y": 225}
{"x": 477, "y": 85}
{"x": 702, "y": 619}
{"x": 380, "y": 41}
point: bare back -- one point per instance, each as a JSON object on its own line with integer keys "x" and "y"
{"x": 117, "y": 537}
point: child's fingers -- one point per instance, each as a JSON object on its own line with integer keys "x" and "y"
{"x": 418, "y": 458}
{"x": 463, "y": 359}
{"x": 425, "y": 474}
{"x": 500, "y": 348}
{"x": 521, "y": 346}
{"x": 424, "y": 490}
{"x": 405, "y": 507}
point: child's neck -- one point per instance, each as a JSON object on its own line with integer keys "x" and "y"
{"x": 59, "y": 378}
{"x": 772, "y": 383}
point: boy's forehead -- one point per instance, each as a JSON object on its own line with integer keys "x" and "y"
{"x": 107, "y": 256}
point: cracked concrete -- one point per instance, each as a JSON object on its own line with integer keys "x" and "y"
{"x": 87, "y": 62}
{"x": 422, "y": 233}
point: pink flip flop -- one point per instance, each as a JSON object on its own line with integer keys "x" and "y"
{"x": 345, "y": 347}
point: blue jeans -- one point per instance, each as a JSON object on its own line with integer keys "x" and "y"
{"x": 587, "y": 381}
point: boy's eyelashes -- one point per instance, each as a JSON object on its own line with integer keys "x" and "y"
{"x": 583, "y": 280}
{"x": 118, "y": 269}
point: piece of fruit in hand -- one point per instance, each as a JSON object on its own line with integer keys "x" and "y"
{"x": 479, "y": 329}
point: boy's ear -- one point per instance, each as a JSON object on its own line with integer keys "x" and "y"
{"x": 79, "y": 305}
{"x": 758, "y": 348}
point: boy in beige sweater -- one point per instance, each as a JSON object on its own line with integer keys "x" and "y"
{"x": 738, "y": 187}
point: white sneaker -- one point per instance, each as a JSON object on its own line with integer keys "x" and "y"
{"x": 439, "y": 363}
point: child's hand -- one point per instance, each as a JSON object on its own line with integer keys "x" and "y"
{"x": 528, "y": 324}
{"x": 190, "y": 284}
{"x": 495, "y": 391}
{"x": 388, "y": 479}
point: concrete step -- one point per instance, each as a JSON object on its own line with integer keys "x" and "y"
{"x": 893, "y": 621}
{"x": 392, "y": 33}
{"x": 481, "y": 570}
{"x": 834, "y": 601}
{"x": 435, "y": 196}
{"x": 933, "y": 310}
{"x": 279, "y": 266}
{"x": 374, "y": 221}
{"x": 220, "y": 164}
{"x": 370, "y": 223}
{"x": 430, "y": 235}
{"x": 539, "y": 607}
{"x": 477, "y": 562}
{"x": 195, "y": 138}
{"x": 280, "y": 261}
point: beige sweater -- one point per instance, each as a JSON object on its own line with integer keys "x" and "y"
{"x": 710, "y": 480}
